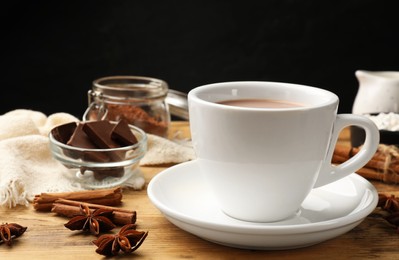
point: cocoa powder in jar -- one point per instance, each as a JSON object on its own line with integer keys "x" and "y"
{"x": 136, "y": 116}
{"x": 138, "y": 100}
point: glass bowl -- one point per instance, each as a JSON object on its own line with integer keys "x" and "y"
{"x": 98, "y": 168}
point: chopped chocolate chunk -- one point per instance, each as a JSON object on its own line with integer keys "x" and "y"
{"x": 95, "y": 156}
{"x": 80, "y": 139}
{"x": 100, "y": 174}
{"x": 99, "y": 133}
{"x": 122, "y": 134}
{"x": 64, "y": 132}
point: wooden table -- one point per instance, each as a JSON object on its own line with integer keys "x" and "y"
{"x": 47, "y": 238}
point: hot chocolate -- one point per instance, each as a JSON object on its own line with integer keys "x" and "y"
{"x": 261, "y": 103}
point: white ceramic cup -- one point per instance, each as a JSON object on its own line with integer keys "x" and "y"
{"x": 261, "y": 163}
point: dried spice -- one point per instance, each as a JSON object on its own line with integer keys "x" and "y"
{"x": 127, "y": 240}
{"x": 390, "y": 206}
{"x": 383, "y": 166}
{"x": 95, "y": 222}
{"x": 388, "y": 203}
{"x": 10, "y": 231}
{"x": 393, "y": 219}
{"x": 107, "y": 197}
{"x": 71, "y": 208}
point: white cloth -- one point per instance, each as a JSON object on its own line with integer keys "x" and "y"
{"x": 162, "y": 151}
{"x": 27, "y": 167}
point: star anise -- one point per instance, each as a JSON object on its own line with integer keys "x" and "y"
{"x": 388, "y": 203}
{"x": 393, "y": 219}
{"x": 9, "y": 231}
{"x": 96, "y": 221}
{"x": 128, "y": 240}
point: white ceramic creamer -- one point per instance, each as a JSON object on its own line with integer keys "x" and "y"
{"x": 378, "y": 92}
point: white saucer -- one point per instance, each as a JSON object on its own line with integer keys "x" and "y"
{"x": 181, "y": 194}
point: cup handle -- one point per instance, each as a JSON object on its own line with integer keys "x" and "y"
{"x": 330, "y": 173}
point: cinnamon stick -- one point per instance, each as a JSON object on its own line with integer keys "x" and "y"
{"x": 70, "y": 208}
{"x": 378, "y": 161}
{"x": 383, "y": 166}
{"x": 373, "y": 163}
{"x": 379, "y": 176}
{"x": 110, "y": 197}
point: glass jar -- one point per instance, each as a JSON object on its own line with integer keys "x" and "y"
{"x": 138, "y": 100}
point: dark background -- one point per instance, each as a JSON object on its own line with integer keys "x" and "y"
{"x": 53, "y": 50}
